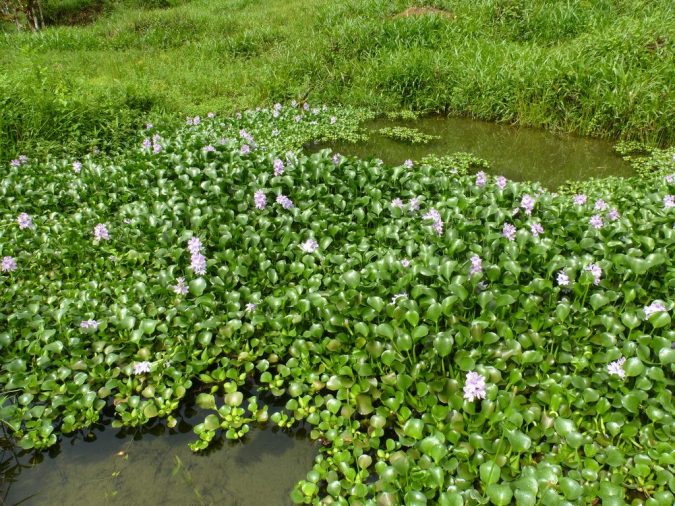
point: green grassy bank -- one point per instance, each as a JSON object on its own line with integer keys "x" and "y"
{"x": 601, "y": 68}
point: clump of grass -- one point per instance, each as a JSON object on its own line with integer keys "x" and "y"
{"x": 600, "y": 68}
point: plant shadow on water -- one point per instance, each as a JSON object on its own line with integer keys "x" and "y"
{"x": 153, "y": 465}
{"x": 520, "y": 154}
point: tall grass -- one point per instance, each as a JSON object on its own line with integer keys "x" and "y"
{"x": 604, "y": 68}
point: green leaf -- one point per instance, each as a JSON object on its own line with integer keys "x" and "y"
{"x": 500, "y": 495}
{"x": 385, "y": 330}
{"x": 150, "y": 410}
{"x": 351, "y": 279}
{"x": 519, "y": 442}
{"x": 197, "y": 286}
{"x": 633, "y": 367}
{"x": 571, "y": 488}
{"x": 598, "y": 300}
{"x": 211, "y": 422}
{"x": 490, "y": 472}
{"x": 414, "y": 428}
{"x": 660, "y": 319}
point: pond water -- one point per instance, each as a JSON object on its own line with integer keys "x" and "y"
{"x": 155, "y": 466}
{"x": 520, "y": 154}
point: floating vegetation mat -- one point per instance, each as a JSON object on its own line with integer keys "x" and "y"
{"x": 409, "y": 135}
{"x": 449, "y": 338}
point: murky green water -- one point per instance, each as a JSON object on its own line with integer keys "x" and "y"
{"x": 520, "y": 154}
{"x": 156, "y": 467}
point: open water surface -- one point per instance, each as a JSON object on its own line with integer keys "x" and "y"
{"x": 154, "y": 466}
{"x": 520, "y": 154}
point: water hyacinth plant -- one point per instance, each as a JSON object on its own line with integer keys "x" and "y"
{"x": 462, "y": 354}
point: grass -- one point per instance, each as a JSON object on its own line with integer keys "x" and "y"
{"x": 603, "y": 68}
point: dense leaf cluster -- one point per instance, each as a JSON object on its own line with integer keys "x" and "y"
{"x": 369, "y": 337}
{"x": 405, "y": 134}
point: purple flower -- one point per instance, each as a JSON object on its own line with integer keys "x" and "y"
{"x": 395, "y": 298}
{"x": 305, "y": 106}
{"x": 408, "y": 164}
{"x": 432, "y": 214}
{"x": 616, "y": 368}
{"x": 596, "y": 221}
{"x": 536, "y": 229}
{"x": 198, "y": 264}
{"x": 481, "y": 179}
{"x": 563, "y": 279}
{"x": 195, "y": 245}
{"x": 476, "y": 265}
{"x": 337, "y": 158}
{"x": 260, "y": 199}
{"x": 180, "y": 288}
{"x": 278, "y": 167}
{"x": 24, "y": 221}
{"x": 397, "y": 203}
{"x": 413, "y": 204}
{"x": 208, "y": 149}
{"x": 600, "y": 205}
{"x": 147, "y": 144}
{"x": 250, "y": 307}
{"x": 474, "y": 388}
{"x": 613, "y": 214}
{"x": 101, "y": 232}
{"x": 278, "y": 106}
{"x": 527, "y": 203}
{"x": 196, "y": 120}
{"x": 89, "y": 324}
{"x": 275, "y": 114}
{"x": 669, "y": 201}
{"x": 596, "y": 271}
{"x": 77, "y": 167}
{"x": 437, "y": 224}
{"x": 148, "y": 126}
{"x": 15, "y": 163}
{"x": 405, "y": 262}
{"x": 501, "y": 182}
{"x": 245, "y": 149}
{"x": 285, "y": 202}
{"x": 8, "y": 264}
{"x": 580, "y": 199}
{"x": 670, "y": 178}
{"x": 309, "y": 246}
{"x": 141, "y": 367}
{"x": 654, "y": 307}
{"x": 246, "y": 136}
{"x": 509, "y": 231}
